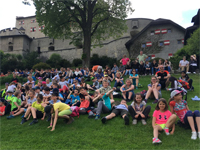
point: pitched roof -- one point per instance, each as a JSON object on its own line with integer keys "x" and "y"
{"x": 21, "y": 28}
{"x": 159, "y": 21}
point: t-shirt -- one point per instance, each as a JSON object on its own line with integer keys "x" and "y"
{"x": 142, "y": 57}
{"x": 179, "y": 108}
{"x": 115, "y": 69}
{"x": 11, "y": 88}
{"x": 162, "y": 74}
{"x": 99, "y": 76}
{"x": 138, "y": 107}
{"x": 9, "y": 97}
{"x": 74, "y": 98}
{"x": 134, "y": 79}
{"x": 161, "y": 117}
{"x": 63, "y": 83}
{"x": 78, "y": 73}
{"x": 121, "y": 106}
{"x": 38, "y": 106}
{"x": 125, "y": 60}
{"x": 57, "y": 77}
{"x": 183, "y": 63}
{"x": 106, "y": 101}
{"x": 2, "y": 109}
{"x": 49, "y": 84}
{"x": 33, "y": 83}
{"x": 60, "y": 106}
{"x": 17, "y": 100}
{"x": 51, "y": 102}
{"x": 15, "y": 80}
{"x": 185, "y": 79}
{"x": 84, "y": 104}
{"x": 105, "y": 90}
{"x": 96, "y": 84}
{"x": 29, "y": 101}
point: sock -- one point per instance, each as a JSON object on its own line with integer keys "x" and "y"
{"x": 157, "y": 99}
{"x": 34, "y": 118}
{"x": 24, "y": 118}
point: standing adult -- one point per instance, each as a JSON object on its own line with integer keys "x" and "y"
{"x": 142, "y": 57}
{"x": 163, "y": 76}
{"x": 124, "y": 60}
{"x": 184, "y": 64}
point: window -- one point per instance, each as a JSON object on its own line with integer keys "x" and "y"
{"x": 161, "y": 43}
{"x": 179, "y": 41}
{"x": 33, "y": 21}
{"x": 169, "y": 31}
{"x": 10, "y": 48}
{"x": 33, "y": 29}
{"x": 152, "y": 32}
{"x": 143, "y": 45}
{"x": 51, "y": 48}
{"x": 38, "y": 50}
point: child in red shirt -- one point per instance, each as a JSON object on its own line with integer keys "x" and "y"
{"x": 2, "y": 108}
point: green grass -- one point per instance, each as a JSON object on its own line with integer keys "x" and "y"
{"x": 87, "y": 133}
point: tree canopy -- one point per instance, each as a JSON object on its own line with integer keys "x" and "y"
{"x": 91, "y": 20}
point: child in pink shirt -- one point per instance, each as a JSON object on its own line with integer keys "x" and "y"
{"x": 162, "y": 120}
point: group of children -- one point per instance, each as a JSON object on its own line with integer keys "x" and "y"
{"x": 60, "y": 98}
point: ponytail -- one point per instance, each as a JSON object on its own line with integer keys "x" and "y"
{"x": 171, "y": 99}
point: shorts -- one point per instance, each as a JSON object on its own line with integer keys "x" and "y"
{"x": 65, "y": 112}
{"x": 162, "y": 125}
{"x": 14, "y": 109}
{"x": 39, "y": 114}
{"x": 120, "y": 111}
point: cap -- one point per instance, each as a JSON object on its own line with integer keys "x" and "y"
{"x": 47, "y": 110}
{"x": 39, "y": 77}
{"x": 43, "y": 82}
{"x": 37, "y": 88}
{"x": 6, "y": 83}
{"x": 175, "y": 92}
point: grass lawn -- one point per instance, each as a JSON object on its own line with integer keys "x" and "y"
{"x": 87, "y": 133}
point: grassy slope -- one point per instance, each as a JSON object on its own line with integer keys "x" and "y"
{"x": 92, "y": 134}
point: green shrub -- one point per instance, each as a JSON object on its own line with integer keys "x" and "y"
{"x": 8, "y": 79}
{"x": 77, "y": 62}
{"x": 41, "y": 65}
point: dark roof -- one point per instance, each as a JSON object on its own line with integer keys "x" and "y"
{"x": 21, "y": 28}
{"x": 20, "y": 17}
{"x": 139, "y": 19}
{"x": 16, "y": 36}
{"x": 196, "y": 18}
{"x": 159, "y": 21}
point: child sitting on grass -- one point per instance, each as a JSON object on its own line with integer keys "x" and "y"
{"x": 15, "y": 104}
{"x": 37, "y": 111}
{"x": 121, "y": 109}
{"x": 104, "y": 104}
{"x": 73, "y": 98}
{"x": 2, "y": 108}
{"x": 163, "y": 119}
{"x": 138, "y": 109}
{"x": 135, "y": 78}
{"x": 187, "y": 117}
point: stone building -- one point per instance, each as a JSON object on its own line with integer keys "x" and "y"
{"x": 27, "y": 37}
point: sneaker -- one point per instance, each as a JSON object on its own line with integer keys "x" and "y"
{"x": 97, "y": 117}
{"x": 152, "y": 74}
{"x": 188, "y": 72}
{"x": 194, "y": 72}
{"x": 23, "y": 115}
{"x": 136, "y": 88}
{"x": 145, "y": 100}
{"x": 103, "y": 120}
{"x": 134, "y": 121}
{"x": 23, "y": 121}
{"x": 194, "y": 136}
{"x": 71, "y": 120}
{"x": 10, "y": 117}
{"x": 166, "y": 131}
{"x": 143, "y": 122}
{"x": 156, "y": 141}
{"x": 155, "y": 102}
{"x": 199, "y": 135}
{"x": 92, "y": 116}
{"x": 34, "y": 122}
{"x": 126, "y": 120}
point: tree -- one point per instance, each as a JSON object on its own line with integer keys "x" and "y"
{"x": 93, "y": 20}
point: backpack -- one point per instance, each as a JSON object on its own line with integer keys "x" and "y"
{"x": 185, "y": 85}
{"x": 75, "y": 111}
{"x": 143, "y": 92}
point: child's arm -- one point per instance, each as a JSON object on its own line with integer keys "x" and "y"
{"x": 153, "y": 122}
{"x": 44, "y": 114}
{"x": 68, "y": 97}
{"x": 55, "y": 120}
{"x": 18, "y": 107}
{"x": 108, "y": 93}
{"x": 187, "y": 107}
{"x": 172, "y": 109}
{"x": 28, "y": 116}
{"x": 96, "y": 98}
{"x": 173, "y": 129}
{"x": 3, "y": 113}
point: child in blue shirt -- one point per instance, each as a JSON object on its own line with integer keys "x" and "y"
{"x": 73, "y": 98}
{"x": 135, "y": 78}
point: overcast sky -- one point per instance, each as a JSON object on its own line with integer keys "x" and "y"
{"x": 179, "y": 11}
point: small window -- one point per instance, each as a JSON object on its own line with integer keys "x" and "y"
{"x": 33, "y": 21}
{"x": 33, "y": 29}
{"x": 152, "y": 32}
{"x": 143, "y": 45}
{"x": 38, "y": 50}
{"x": 179, "y": 41}
{"x": 21, "y": 22}
{"x": 51, "y": 48}
{"x": 161, "y": 43}
{"x": 10, "y": 48}
{"x": 169, "y": 31}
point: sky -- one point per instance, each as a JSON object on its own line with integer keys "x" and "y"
{"x": 179, "y": 11}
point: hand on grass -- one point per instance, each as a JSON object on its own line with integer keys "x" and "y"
{"x": 42, "y": 118}
{"x": 142, "y": 115}
{"x": 171, "y": 132}
{"x": 49, "y": 127}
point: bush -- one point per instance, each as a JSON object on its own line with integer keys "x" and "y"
{"x": 103, "y": 60}
{"x": 65, "y": 63}
{"x": 77, "y": 62}
{"x": 8, "y": 79}
{"x": 41, "y": 65}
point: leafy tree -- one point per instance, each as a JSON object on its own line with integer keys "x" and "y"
{"x": 93, "y": 20}
{"x": 30, "y": 59}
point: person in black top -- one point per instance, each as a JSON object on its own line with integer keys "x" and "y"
{"x": 163, "y": 77}
{"x": 154, "y": 67}
{"x": 135, "y": 65}
{"x": 193, "y": 64}
{"x": 14, "y": 79}
{"x": 186, "y": 78}
{"x": 128, "y": 68}
{"x": 141, "y": 68}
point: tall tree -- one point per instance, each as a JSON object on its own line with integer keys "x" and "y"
{"x": 93, "y": 20}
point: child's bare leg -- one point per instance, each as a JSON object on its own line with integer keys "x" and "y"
{"x": 137, "y": 82}
{"x": 112, "y": 115}
{"x": 112, "y": 101}
{"x": 171, "y": 121}
{"x": 28, "y": 111}
{"x": 19, "y": 112}
{"x": 33, "y": 111}
{"x": 130, "y": 95}
{"x": 198, "y": 123}
{"x": 64, "y": 116}
{"x": 191, "y": 122}
{"x": 155, "y": 131}
{"x": 124, "y": 95}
